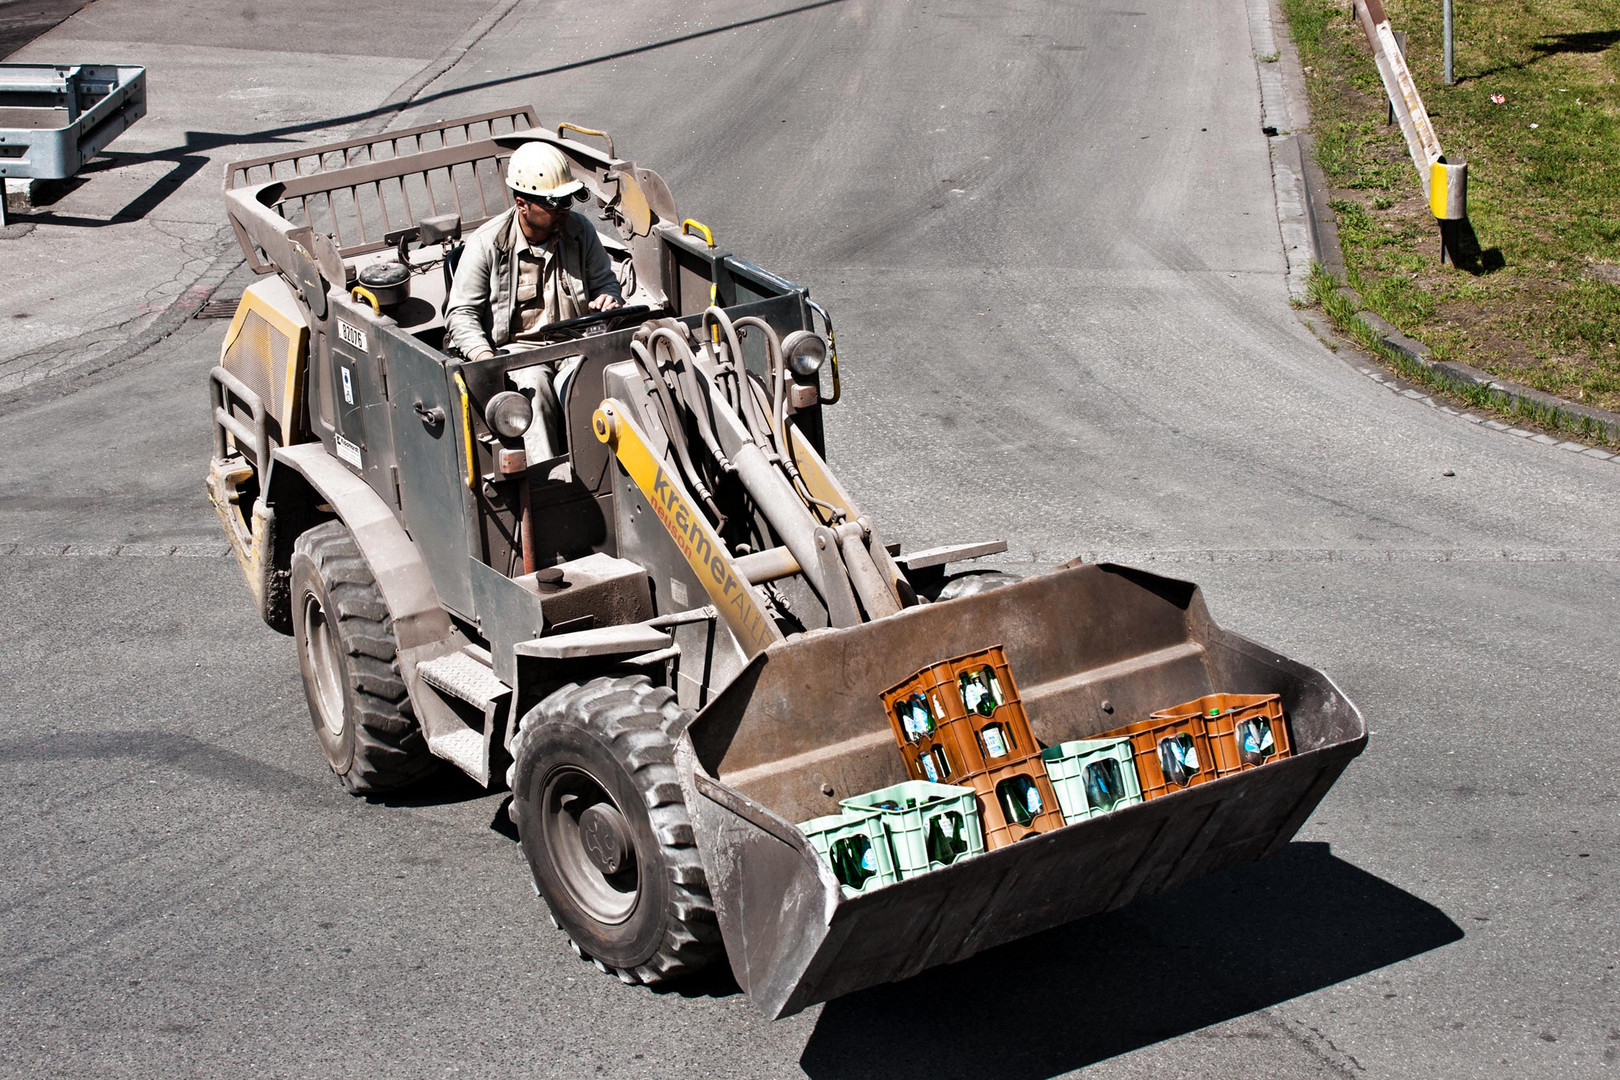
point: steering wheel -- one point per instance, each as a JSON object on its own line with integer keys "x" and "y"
{"x": 578, "y": 324}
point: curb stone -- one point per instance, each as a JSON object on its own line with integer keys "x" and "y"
{"x": 1463, "y": 376}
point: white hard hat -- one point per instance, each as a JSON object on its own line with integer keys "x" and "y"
{"x": 541, "y": 170}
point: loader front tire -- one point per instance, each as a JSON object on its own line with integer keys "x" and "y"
{"x": 347, "y": 654}
{"x": 606, "y": 832}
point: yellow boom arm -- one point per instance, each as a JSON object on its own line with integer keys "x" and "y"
{"x": 703, "y": 550}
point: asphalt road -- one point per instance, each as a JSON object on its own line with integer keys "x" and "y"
{"x": 1048, "y": 235}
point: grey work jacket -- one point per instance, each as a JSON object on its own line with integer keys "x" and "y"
{"x": 484, "y": 292}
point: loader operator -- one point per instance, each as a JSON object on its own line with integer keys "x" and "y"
{"x": 536, "y": 264}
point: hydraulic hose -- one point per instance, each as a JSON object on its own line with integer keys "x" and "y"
{"x": 747, "y": 407}
{"x": 779, "y": 431}
{"x": 697, "y": 402}
{"x": 677, "y": 439}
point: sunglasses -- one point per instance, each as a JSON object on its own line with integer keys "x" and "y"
{"x": 555, "y": 205}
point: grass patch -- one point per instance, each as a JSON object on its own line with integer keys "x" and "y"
{"x": 1542, "y": 307}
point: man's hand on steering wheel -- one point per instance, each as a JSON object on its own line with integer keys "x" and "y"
{"x": 605, "y": 302}
{"x": 618, "y": 312}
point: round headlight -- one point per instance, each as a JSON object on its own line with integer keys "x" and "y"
{"x": 509, "y": 414}
{"x": 805, "y": 351}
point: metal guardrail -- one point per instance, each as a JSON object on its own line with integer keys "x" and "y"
{"x": 1421, "y": 142}
{"x": 1445, "y": 181}
{"x": 55, "y": 117}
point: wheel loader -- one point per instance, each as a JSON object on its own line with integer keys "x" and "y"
{"x": 670, "y": 639}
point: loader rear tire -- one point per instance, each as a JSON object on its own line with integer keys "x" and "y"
{"x": 347, "y": 654}
{"x": 605, "y": 830}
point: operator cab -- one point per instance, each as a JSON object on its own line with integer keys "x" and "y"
{"x": 539, "y": 483}
{"x": 409, "y": 281}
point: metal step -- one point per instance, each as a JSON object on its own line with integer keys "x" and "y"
{"x": 463, "y": 676}
{"x": 464, "y": 749}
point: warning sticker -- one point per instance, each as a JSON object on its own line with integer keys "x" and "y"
{"x": 348, "y": 451}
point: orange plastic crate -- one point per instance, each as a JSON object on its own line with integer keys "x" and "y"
{"x": 1006, "y": 821}
{"x": 973, "y": 706}
{"x": 1175, "y": 745}
{"x": 1244, "y": 730}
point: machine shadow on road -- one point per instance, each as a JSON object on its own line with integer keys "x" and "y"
{"x": 1214, "y": 950}
{"x": 48, "y": 193}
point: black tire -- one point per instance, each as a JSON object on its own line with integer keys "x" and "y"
{"x": 347, "y": 654}
{"x": 972, "y": 583}
{"x": 604, "y": 828}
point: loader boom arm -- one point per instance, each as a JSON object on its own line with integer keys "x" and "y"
{"x": 703, "y": 550}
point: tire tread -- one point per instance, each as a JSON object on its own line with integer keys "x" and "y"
{"x": 633, "y": 717}
{"x": 389, "y": 750}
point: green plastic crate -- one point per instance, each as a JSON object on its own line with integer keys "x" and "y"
{"x": 930, "y": 825}
{"x": 856, "y": 846}
{"x": 1092, "y": 776}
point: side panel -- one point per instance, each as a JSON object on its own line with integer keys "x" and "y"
{"x": 430, "y": 448}
{"x": 351, "y": 412}
{"x": 508, "y": 613}
{"x": 354, "y": 334}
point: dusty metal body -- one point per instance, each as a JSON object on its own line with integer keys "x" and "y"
{"x": 694, "y": 534}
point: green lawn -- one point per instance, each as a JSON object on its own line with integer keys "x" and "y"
{"x": 1542, "y": 304}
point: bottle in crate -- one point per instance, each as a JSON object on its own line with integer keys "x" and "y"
{"x": 1093, "y": 776}
{"x": 1017, "y": 801}
{"x": 932, "y": 748}
{"x": 980, "y": 689}
{"x": 991, "y": 708}
{"x": 856, "y": 845}
{"x": 1243, "y": 730}
{"x": 1170, "y": 753}
{"x": 918, "y": 720}
{"x": 929, "y": 825}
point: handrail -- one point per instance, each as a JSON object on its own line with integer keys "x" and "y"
{"x": 313, "y": 159}
{"x": 223, "y": 387}
{"x": 359, "y": 204}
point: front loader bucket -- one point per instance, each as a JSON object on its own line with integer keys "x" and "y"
{"x": 1092, "y": 648}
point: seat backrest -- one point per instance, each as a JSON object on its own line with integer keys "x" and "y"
{"x": 452, "y": 256}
